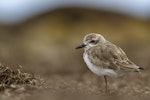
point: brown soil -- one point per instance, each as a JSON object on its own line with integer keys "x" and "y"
{"x": 17, "y": 85}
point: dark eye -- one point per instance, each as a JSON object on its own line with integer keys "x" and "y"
{"x": 92, "y": 41}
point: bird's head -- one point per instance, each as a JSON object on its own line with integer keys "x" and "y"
{"x": 91, "y": 40}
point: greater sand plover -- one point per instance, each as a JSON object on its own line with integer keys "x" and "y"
{"x": 105, "y": 58}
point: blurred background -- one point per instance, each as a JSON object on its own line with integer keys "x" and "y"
{"x": 41, "y": 35}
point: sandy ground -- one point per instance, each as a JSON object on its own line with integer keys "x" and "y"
{"x": 87, "y": 85}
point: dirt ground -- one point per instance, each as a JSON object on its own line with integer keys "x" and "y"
{"x": 45, "y": 47}
{"x": 80, "y": 86}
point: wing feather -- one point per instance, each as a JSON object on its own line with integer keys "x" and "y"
{"x": 110, "y": 56}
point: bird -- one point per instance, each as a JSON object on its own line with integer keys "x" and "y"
{"x": 106, "y": 59}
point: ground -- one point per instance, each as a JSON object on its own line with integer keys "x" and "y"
{"x": 72, "y": 86}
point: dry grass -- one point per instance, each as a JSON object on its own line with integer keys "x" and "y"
{"x": 17, "y": 82}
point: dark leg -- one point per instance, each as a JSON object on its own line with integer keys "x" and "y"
{"x": 105, "y": 83}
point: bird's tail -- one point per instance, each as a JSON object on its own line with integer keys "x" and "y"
{"x": 139, "y": 69}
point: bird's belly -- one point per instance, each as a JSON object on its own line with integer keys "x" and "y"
{"x": 99, "y": 70}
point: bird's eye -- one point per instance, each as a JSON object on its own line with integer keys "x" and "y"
{"x": 92, "y": 41}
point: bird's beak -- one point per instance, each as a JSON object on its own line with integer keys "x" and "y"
{"x": 80, "y": 46}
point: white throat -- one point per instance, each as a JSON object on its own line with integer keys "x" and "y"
{"x": 89, "y": 46}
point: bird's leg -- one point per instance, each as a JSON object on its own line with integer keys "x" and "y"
{"x": 105, "y": 83}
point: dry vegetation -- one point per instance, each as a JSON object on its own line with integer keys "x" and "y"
{"x": 15, "y": 82}
{"x": 45, "y": 46}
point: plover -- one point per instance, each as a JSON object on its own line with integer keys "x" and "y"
{"x": 105, "y": 58}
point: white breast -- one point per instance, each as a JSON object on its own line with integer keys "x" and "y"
{"x": 97, "y": 69}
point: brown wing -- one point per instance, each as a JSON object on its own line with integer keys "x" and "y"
{"x": 111, "y": 56}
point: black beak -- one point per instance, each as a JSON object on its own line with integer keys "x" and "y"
{"x": 80, "y": 46}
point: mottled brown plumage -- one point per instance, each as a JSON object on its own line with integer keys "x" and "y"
{"x": 108, "y": 55}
